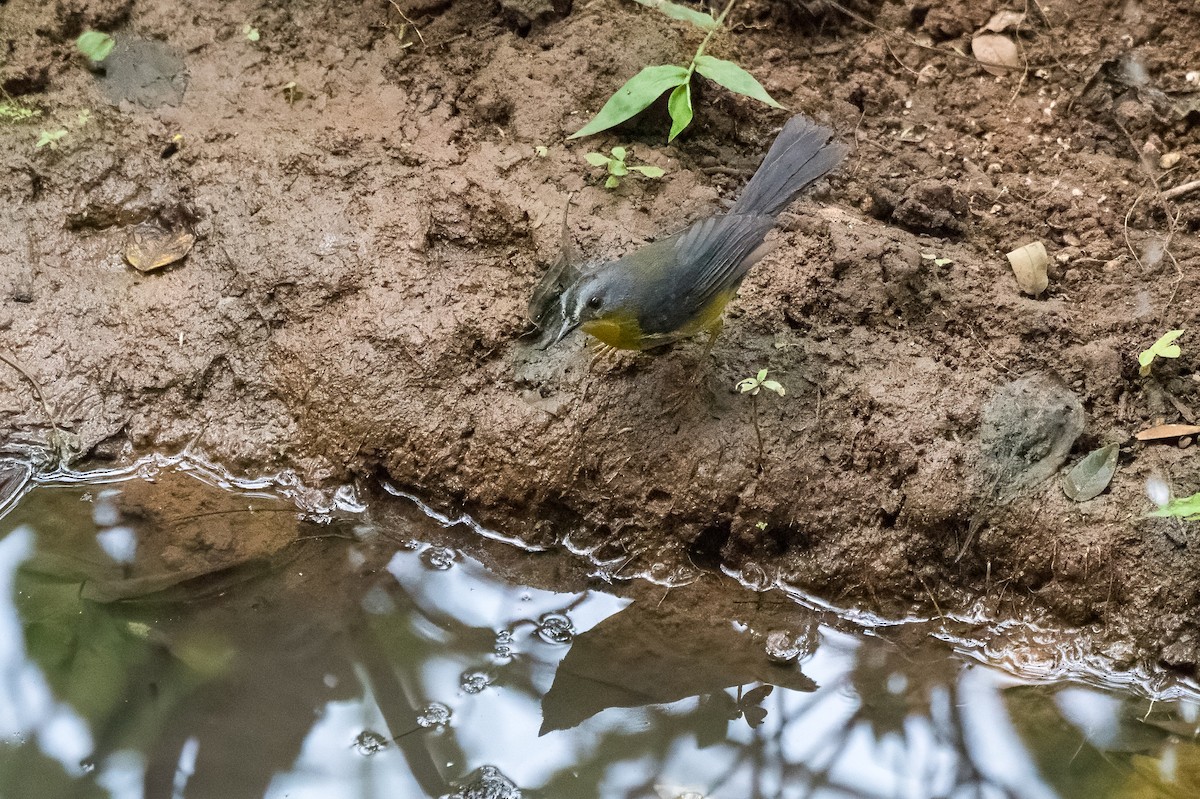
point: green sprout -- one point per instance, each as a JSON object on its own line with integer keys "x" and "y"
{"x": 250, "y": 32}
{"x": 13, "y": 112}
{"x": 95, "y": 45}
{"x": 50, "y": 138}
{"x": 937, "y": 261}
{"x": 1165, "y": 347}
{"x": 648, "y": 85}
{"x": 617, "y": 168}
{"x": 752, "y": 385}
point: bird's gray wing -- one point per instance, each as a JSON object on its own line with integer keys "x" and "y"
{"x": 713, "y": 255}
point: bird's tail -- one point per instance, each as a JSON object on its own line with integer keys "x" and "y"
{"x": 802, "y": 153}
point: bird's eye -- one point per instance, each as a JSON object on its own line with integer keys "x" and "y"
{"x": 595, "y": 301}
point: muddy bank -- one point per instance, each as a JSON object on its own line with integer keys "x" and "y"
{"x": 371, "y": 212}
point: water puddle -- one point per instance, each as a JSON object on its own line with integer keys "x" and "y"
{"x": 168, "y": 634}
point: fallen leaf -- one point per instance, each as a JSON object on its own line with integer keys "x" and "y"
{"x": 1003, "y": 20}
{"x": 995, "y": 53}
{"x": 1029, "y": 265}
{"x": 1165, "y": 431}
{"x": 150, "y": 248}
{"x": 1091, "y": 475}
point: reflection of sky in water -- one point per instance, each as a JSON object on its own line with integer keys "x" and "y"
{"x": 907, "y": 735}
{"x": 27, "y": 707}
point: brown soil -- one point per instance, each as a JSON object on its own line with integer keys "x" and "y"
{"x": 367, "y": 242}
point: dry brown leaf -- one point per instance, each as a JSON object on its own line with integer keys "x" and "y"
{"x": 1003, "y": 20}
{"x": 1164, "y": 431}
{"x": 996, "y": 54}
{"x": 1029, "y": 265}
{"x": 150, "y": 248}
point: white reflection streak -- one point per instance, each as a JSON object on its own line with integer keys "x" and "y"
{"x": 26, "y": 702}
{"x": 995, "y": 747}
{"x": 186, "y": 766}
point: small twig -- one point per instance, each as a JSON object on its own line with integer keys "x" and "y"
{"x": 1181, "y": 190}
{"x": 757, "y": 429}
{"x": 37, "y": 389}
{"x": 408, "y": 21}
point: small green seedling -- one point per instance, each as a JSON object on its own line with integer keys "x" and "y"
{"x": 14, "y": 113}
{"x": 50, "y": 138}
{"x": 250, "y": 32}
{"x": 648, "y": 85}
{"x": 541, "y": 150}
{"x": 752, "y": 385}
{"x": 95, "y": 45}
{"x": 1165, "y": 347}
{"x": 617, "y": 168}
{"x": 1187, "y": 508}
{"x": 937, "y": 260}
{"x": 291, "y": 92}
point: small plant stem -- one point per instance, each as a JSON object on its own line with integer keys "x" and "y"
{"x": 757, "y": 429}
{"x": 700, "y": 50}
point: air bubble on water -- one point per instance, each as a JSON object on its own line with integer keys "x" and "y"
{"x": 439, "y": 558}
{"x": 897, "y": 683}
{"x": 330, "y": 680}
{"x": 488, "y": 782}
{"x": 783, "y": 646}
{"x": 435, "y": 714}
{"x": 370, "y": 743}
{"x": 503, "y": 647}
{"x": 554, "y": 628}
{"x": 346, "y": 499}
{"x": 473, "y": 682}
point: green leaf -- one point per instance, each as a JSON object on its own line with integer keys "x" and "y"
{"x": 650, "y": 171}
{"x": 771, "y": 385}
{"x": 762, "y": 375}
{"x": 95, "y": 45}
{"x": 1187, "y": 508}
{"x": 597, "y": 159}
{"x": 1091, "y": 475}
{"x": 703, "y": 21}
{"x": 635, "y": 96}
{"x": 618, "y": 153}
{"x": 1163, "y": 348}
{"x": 50, "y": 137}
{"x": 734, "y": 78}
{"x": 748, "y": 384}
{"x": 617, "y": 168}
{"x": 679, "y": 104}
{"x": 612, "y": 182}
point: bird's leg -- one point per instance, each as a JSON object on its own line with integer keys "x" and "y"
{"x": 698, "y": 372}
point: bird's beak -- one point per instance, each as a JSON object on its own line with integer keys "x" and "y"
{"x": 564, "y": 330}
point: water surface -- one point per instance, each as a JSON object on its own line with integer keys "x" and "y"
{"x": 164, "y": 633}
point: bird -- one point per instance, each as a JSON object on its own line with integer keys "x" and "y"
{"x": 678, "y": 286}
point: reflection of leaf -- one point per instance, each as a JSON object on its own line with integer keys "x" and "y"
{"x": 751, "y": 705}
{"x": 1174, "y": 774}
{"x": 648, "y": 654}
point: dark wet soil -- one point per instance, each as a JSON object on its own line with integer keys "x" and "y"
{"x": 371, "y": 213}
